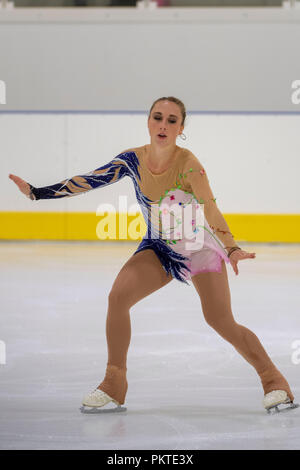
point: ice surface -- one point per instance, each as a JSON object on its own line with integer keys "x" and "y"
{"x": 188, "y": 388}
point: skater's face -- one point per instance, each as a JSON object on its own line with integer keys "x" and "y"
{"x": 165, "y": 118}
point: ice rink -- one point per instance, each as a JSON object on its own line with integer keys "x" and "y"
{"x": 188, "y": 388}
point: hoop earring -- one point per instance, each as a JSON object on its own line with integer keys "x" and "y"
{"x": 183, "y": 138}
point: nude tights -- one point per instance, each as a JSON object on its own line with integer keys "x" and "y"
{"x": 143, "y": 274}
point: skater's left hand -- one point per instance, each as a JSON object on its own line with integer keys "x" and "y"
{"x": 237, "y": 256}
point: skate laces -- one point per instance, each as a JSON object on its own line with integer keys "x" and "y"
{"x": 99, "y": 393}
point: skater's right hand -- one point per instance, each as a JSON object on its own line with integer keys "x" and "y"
{"x": 22, "y": 185}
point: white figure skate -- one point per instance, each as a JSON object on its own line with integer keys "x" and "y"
{"x": 276, "y": 398}
{"x": 94, "y": 401}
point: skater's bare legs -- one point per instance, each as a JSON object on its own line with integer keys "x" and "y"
{"x": 214, "y": 292}
{"x": 141, "y": 275}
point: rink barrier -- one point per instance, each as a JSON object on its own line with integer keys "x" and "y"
{"x": 283, "y": 228}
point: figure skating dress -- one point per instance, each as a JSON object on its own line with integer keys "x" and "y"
{"x": 185, "y": 228}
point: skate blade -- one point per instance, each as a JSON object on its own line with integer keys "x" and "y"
{"x": 282, "y": 407}
{"x": 97, "y": 410}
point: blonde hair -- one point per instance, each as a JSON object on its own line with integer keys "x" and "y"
{"x": 173, "y": 100}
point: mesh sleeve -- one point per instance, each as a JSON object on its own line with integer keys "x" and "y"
{"x": 196, "y": 177}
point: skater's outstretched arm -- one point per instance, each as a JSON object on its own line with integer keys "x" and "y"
{"x": 197, "y": 178}
{"x": 120, "y": 166}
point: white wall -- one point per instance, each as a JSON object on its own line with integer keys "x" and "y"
{"x": 110, "y": 60}
{"x": 232, "y": 59}
{"x": 252, "y": 161}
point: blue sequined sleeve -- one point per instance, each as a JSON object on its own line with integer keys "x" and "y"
{"x": 122, "y": 165}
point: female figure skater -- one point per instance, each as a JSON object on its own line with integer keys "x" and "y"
{"x": 167, "y": 176}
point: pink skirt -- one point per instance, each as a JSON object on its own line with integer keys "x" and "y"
{"x": 207, "y": 259}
